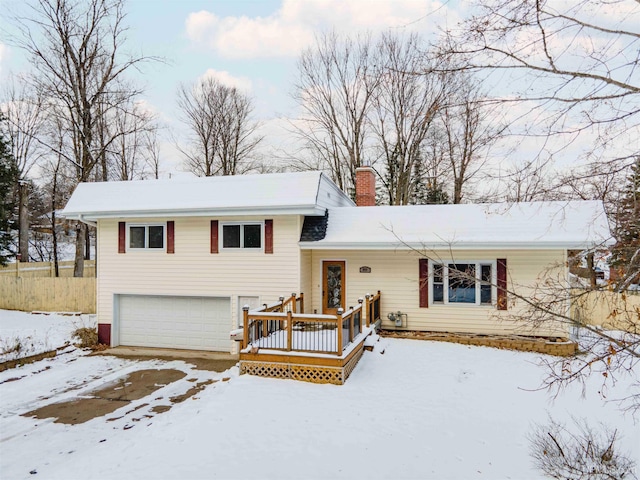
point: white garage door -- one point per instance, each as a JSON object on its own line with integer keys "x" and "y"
{"x": 196, "y": 323}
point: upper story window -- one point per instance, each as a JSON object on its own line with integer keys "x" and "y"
{"x": 146, "y": 236}
{"x": 242, "y": 235}
{"x": 469, "y": 283}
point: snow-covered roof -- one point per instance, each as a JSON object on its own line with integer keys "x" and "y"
{"x": 304, "y": 193}
{"x": 565, "y": 224}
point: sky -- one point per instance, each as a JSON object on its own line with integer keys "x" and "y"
{"x": 254, "y": 45}
{"x": 250, "y": 44}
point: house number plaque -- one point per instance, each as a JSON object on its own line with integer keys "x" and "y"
{"x": 365, "y": 269}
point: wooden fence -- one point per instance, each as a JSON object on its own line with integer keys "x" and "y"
{"x": 45, "y": 269}
{"x": 63, "y": 294}
{"x": 607, "y": 309}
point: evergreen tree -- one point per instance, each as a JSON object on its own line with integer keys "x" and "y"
{"x": 626, "y": 252}
{"x": 425, "y": 190}
{"x": 8, "y": 182}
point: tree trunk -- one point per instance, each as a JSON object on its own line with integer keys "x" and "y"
{"x": 55, "y": 240}
{"x": 23, "y": 220}
{"x": 592, "y": 271}
{"x": 78, "y": 269}
{"x": 87, "y": 243}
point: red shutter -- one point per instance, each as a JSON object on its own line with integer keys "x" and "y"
{"x": 502, "y": 283}
{"x": 122, "y": 235}
{"x": 214, "y": 236}
{"x": 423, "y": 284}
{"x": 268, "y": 236}
{"x": 171, "y": 237}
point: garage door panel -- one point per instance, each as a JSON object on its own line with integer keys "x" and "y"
{"x": 200, "y": 323}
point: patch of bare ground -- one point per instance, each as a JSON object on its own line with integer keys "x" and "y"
{"x": 109, "y": 398}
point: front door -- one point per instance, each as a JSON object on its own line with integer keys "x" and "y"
{"x": 333, "y": 274}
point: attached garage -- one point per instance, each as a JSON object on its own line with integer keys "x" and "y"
{"x": 195, "y": 323}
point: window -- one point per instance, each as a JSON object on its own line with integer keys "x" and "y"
{"x": 470, "y": 283}
{"x": 146, "y": 236}
{"x": 242, "y": 235}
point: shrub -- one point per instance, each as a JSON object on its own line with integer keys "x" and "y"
{"x": 88, "y": 337}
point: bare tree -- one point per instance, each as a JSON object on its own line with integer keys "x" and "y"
{"x": 574, "y": 66}
{"x": 224, "y": 137}
{"x": 131, "y": 128}
{"x": 334, "y": 90}
{"x": 24, "y": 112}
{"x": 151, "y": 150}
{"x": 528, "y": 181}
{"x": 466, "y": 129}
{"x": 75, "y": 49}
{"x": 404, "y": 105}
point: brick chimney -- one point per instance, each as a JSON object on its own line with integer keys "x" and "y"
{"x": 365, "y": 187}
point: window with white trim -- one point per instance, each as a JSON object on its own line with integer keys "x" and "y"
{"x": 463, "y": 283}
{"x": 146, "y": 236}
{"x": 242, "y": 235}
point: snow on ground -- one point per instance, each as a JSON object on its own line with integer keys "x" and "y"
{"x": 419, "y": 410}
{"x": 23, "y": 334}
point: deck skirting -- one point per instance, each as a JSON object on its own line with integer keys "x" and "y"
{"x": 303, "y": 368}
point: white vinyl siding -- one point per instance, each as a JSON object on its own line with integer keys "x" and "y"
{"x": 395, "y": 274}
{"x": 193, "y": 270}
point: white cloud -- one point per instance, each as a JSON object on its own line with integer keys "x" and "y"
{"x": 224, "y": 77}
{"x": 293, "y": 26}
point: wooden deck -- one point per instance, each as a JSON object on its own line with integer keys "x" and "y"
{"x": 278, "y": 342}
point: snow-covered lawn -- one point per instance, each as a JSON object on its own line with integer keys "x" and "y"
{"x": 419, "y": 410}
{"x": 23, "y": 334}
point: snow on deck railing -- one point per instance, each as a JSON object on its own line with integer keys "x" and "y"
{"x": 297, "y": 332}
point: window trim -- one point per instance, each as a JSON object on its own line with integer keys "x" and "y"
{"x": 241, "y": 248}
{"x": 146, "y": 247}
{"x": 478, "y": 276}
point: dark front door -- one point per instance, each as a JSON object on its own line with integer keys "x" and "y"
{"x": 333, "y": 282}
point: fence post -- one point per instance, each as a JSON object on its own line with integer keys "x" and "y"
{"x": 245, "y": 321}
{"x": 339, "y": 319}
{"x": 289, "y": 330}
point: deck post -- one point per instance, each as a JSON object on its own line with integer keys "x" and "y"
{"x": 293, "y": 308}
{"x": 289, "y": 330}
{"x": 339, "y": 319}
{"x": 301, "y": 302}
{"x": 366, "y": 307}
{"x": 351, "y": 318}
{"x": 245, "y": 322}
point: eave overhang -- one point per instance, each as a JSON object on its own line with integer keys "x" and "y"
{"x": 417, "y": 246}
{"x": 87, "y": 216}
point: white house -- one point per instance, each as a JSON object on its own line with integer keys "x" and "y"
{"x": 177, "y": 259}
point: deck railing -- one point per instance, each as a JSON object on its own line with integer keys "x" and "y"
{"x": 372, "y": 308}
{"x": 278, "y": 327}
